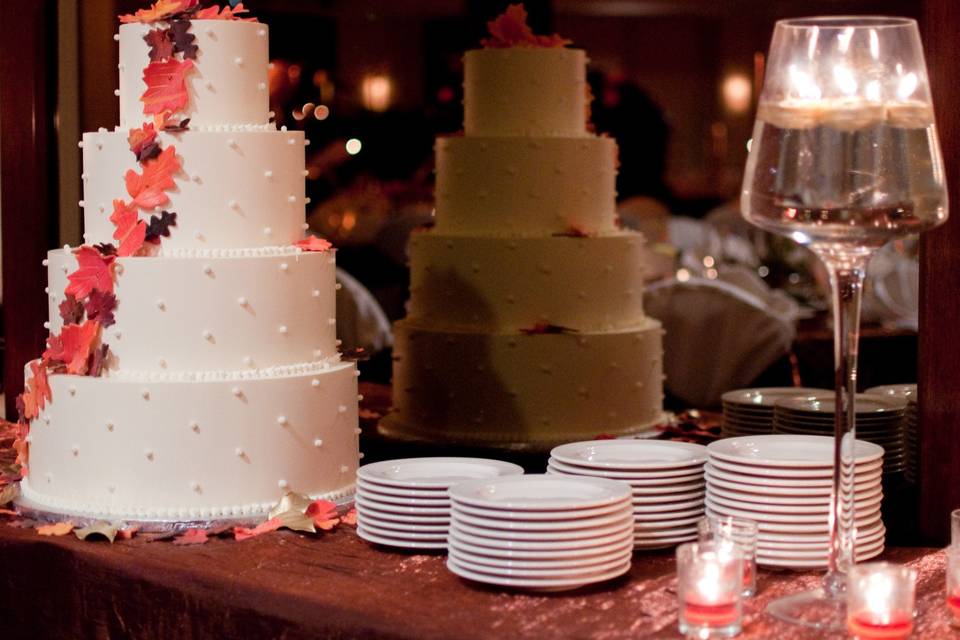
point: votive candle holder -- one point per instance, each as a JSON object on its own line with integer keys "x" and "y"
{"x": 740, "y": 532}
{"x": 953, "y": 583}
{"x": 955, "y": 527}
{"x": 710, "y": 589}
{"x": 880, "y": 601}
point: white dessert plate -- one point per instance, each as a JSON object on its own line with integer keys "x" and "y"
{"x": 383, "y": 489}
{"x": 667, "y": 532}
{"x": 560, "y": 514}
{"x": 813, "y": 554}
{"x": 791, "y": 472}
{"x": 668, "y": 497}
{"x": 398, "y": 542}
{"x": 545, "y": 536}
{"x": 778, "y": 451}
{"x": 642, "y": 524}
{"x": 765, "y": 397}
{"x": 826, "y": 404}
{"x": 765, "y": 526}
{"x": 404, "y": 502}
{"x": 583, "y": 544}
{"x": 507, "y": 571}
{"x": 537, "y": 584}
{"x": 787, "y": 485}
{"x": 694, "y": 502}
{"x": 862, "y": 505}
{"x": 762, "y": 514}
{"x": 669, "y": 489}
{"x": 405, "y": 535}
{"x": 364, "y": 500}
{"x": 560, "y": 524}
{"x": 664, "y": 543}
{"x": 761, "y": 500}
{"x": 631, "y": 454}
{"x": 908, "y": 391}
{"x": 434, "y": 473}
{"x": 813, "y": 540}
{"x": 545, "y": 555}
{"x": 634, "y": 477}
{"x": 619, "y": 554}
{"x": 540, "y": 493}
{"x": 403, "y": 517}
{"x": 804, "y": 563}
{"x": 399, "y": 528}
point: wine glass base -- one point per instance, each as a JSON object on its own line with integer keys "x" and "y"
{"x": 814, "y": 609}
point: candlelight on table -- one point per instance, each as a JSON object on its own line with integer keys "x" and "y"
{"x": 709, "y": 586}
{"x": 737, "y": 531}
{"x": 880, "y": 601}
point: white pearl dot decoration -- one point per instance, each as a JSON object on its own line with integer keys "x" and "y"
{"x": 268, "y": 174}
{"x": 262, "y": 32}
{"x": 233, "y": 204}
{"x": 75, "y": 450}
{"x": 195, "y": 486}
{"x": 73, "y": 391}
{"x": 344, "y": 468}
{"x": 46, "y": 325}
{"x": 238, "y": 452}
{"x": 284, "y": 266}
{"x": 282, "y": 420}
{"x": 305, "y": 173}
{"x": 342, "y": 408}
{"x": 149, "y": 454}
{"x": 109, "y": 426}
{"x": 145, "y": 394}
{"x": 116, "y": 37}
{"x": 198, "y": 235}
{"x": 318, "y": 443}
{"x": 315, "y": 383}
{"x": 238, "y": 61}
{"x": 207, "y": 270}
{"x": 291, "y": 199}
{"x": 116, "y": 92}
{"x": 358, "y": 431}
{"x": 161, "y": 304}
{"x": 80, "y": 144}
{"x": 237, "y": 392}
{"x": 231, "y": 143}
{"x": 262, "y": 86}
{"x": 361, "y": 455}
{"x": 332, "y": 321}
{"x": 207, "y": 334}
{"x": 267, "y": 231}
{"x": 194, "y": 426}
{"x": 283, "y": 484}
{"x": 303, "y": 226}
{"x": 283, "y": 329}
{"x": 315, "y": 293}
{"x": 117, "y": 334}
{"x": 45, "y": 262}
{"x": 162, "y": 362}
{"x": 247, "y": 360}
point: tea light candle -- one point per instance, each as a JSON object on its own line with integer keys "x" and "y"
{"x": 740, "y": 532}
{"x": 709, "y": 586}
{"x": 953, "y": 583}
{"x": 880, "y": 598}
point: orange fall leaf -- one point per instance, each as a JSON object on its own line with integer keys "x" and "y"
{"x": 166, "y": 86}
{"x": 130, "y": 230}
{"x": 56, "y": 529}
{"x": 95, "y": 271}
{"x": 148, "y": 189}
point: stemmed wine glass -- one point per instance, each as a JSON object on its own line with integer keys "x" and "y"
{"x": 844, "y": 158}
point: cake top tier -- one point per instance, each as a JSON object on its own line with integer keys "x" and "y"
{"x": 212, "y": 71}
{"x": 523, "y": 84}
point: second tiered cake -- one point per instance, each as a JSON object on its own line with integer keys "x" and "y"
{"x": 526, "y": 322}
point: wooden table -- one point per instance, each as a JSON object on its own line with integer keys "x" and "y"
{"x": 285, "y": 585}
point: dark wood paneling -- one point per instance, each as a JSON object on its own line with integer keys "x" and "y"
{"x": 939, "y": 361}
{"x": 28, "y": 172}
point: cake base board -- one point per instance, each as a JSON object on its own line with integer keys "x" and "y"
{"x": 391, "y": 429}
{"x": 33, "y": 510}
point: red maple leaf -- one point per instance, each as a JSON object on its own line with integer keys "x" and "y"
{"x": 166, "y": 86}
{"x": 313, "y": 243}
{"x": 191, "y": 536}
{"x": 160, "y": 10}
{"x": 39, "y": 383}
{"x": 100, "y": 306}
{"x": 226, "y": 13}
{"x": 143, "y": 142}
{"x": 510, "y": 29}
{"x": 95, "y": 271}
{"x": 72, "y": 347}
{"x": 130, "y": 229}
{"x": 148, "y": 189}
{"x": 243, "y": 533}
{"x": 161, "y": 46}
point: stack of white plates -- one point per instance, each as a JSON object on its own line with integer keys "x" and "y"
{"x": 906, "y": 392}
{"x": 540, "y": 532}
{"x": 404, "y": 503}
{"x": 880, "y": 420}
{"x": 666, "y": 479}
{"x": 750, "y": 411}
{"x": 783, "y": 483}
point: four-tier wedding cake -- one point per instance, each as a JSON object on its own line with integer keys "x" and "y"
{"x": 526, "y": 323}
{"x": 191, "y": 369}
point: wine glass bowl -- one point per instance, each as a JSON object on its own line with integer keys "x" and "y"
{"x": 845, "y": 149}
{"x": 844, "y": 157}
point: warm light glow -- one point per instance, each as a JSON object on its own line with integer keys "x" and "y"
{"x": 683, "y": 275}
{"x": 293, "y": 73}
{"x": 376, "y": 92}
{"x": 349, "y": 221}
{"x": 749, "y": 144}
{"x": 353, "y": 146}
{"x": 708, "y": 261}
{"x": 322, "y": 112}
{"x": 908, "y": 84}
{"x": 737, "y": 93}
{"x": 803, "y": 83}
{"x": 844, "y": 79}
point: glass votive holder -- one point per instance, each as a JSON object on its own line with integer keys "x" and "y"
{"x": 953, "y": 583}
{"x": 880, "y": 600}
{"x": 709, "y": 589}
{"x": 955, "y": 527}
{"x": 738, "y": 531}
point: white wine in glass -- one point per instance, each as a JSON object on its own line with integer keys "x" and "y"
{"x": 844, "y": 158}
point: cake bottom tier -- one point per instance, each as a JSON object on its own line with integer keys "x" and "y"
{"x": 524, "y": 390}
{"x": 121, "y": 447}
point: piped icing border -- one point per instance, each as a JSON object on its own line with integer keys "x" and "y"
{"x": 229, "y": 375}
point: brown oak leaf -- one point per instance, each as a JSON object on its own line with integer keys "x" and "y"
{"x": 160, "y": 226}
{"x": 100, "y": 306}
{"x": 71, "y": 310}
{"x": 161, "y": 46}
{"x": 183, "y": 40}
{"x": 106, "y": 248}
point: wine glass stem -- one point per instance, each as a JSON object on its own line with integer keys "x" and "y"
{"x": 847, "y": 273}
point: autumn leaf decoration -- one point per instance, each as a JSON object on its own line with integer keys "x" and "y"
{"x": 95, "y": 271}
{"x": 510, "y": 29}
{"x": 545, "y": 328}
{"x": 130, "y": 230}
{"x": 166, "y": 88}
{"x": 226, "y": 13}
{"x": 313, "y": 243}
{"x": 73, "y": 346}
{"x": 162, "y": 10}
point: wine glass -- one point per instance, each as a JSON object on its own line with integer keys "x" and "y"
{"x": 844, "y": 158}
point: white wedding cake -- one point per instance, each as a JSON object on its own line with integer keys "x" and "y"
{"x": 525, "y": 323}
{"x": 192, "y": 369}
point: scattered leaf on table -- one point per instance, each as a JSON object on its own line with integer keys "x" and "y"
{"x": 148, "y": 189}
{"x": 8, "y": 492}
{"x": 296, "y": 521}
{"x": 243, "y": 533}
{"x": 191, "y": 536}
{"x": 72, "y": 346}
{"x": 166, "y": 86}
{"x": 350, "y": 518}
{"x": 8, "y": 512}
{"x": 102, "y": 528}
{"x": 290, "y": 502}
{"x": 57, "y": 529}
{"x": 128, "y": 533}
{"x": 94, "y": 271}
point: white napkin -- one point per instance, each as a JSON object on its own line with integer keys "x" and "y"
{"x": 719, "y": 336}
{"x": 361, "y": 322}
